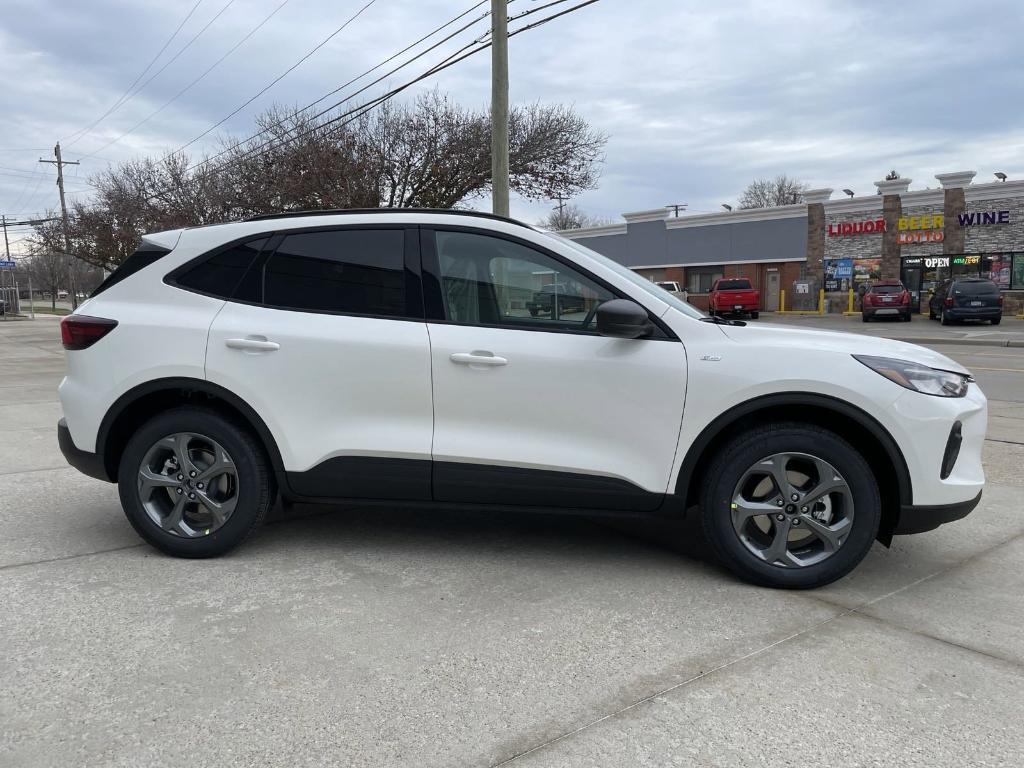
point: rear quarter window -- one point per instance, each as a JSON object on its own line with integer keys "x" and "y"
{"x": 220, "y": 274}
{"x": 144, "y": 255}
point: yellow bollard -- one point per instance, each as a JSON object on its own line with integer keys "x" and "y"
{"x": 821, "y": 301}
{"x": 782, "y": 301}
{"x": 850, "y": 307}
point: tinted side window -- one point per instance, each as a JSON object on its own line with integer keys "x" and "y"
{"x": 490, "y": 281}
{"x": 358, "y": 271}
{"x": 220, "y": 274}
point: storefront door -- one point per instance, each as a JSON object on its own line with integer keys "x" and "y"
{"x": 771, "y": 298}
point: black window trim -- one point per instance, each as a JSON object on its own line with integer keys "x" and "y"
{"x": 433, "y": 300}
{"x": 413, "y": 279}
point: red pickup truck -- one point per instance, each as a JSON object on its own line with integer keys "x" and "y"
{"x": 734, "y": 295}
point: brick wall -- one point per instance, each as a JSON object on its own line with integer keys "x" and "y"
{"x": 995, "y": 238}
{"x": 892, "y": 209}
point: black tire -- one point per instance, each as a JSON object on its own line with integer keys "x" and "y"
{"x": 754, "y": 315}
{"x": 255, "y": 483}
{"x": 996, "y": 320}
{"x": 931, "y": 313}
{"x": 864, "y": 317}
{"x": 907, "y": 318}
{"x": 750, "y": 447}
{"x": 944, "y": 318}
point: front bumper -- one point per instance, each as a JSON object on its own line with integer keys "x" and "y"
{"x": 90, "y": 464}
{"x": 918, "y": 519}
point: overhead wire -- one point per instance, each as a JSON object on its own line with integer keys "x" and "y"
{"x": 207, "y": 71}
{"x": 74, "y": 137}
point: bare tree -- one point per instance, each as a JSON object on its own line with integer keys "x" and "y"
{"x": 768, "y": 193}
{"x": 431, "y": 153}
{"x": 48, "y": 270}
{"x": 571, "y": 217}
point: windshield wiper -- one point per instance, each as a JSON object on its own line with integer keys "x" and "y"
{"x": 722, "y": 321}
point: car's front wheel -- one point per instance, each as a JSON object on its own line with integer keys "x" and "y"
{"x": 193, "y": 483}
{"x": 790, "y": 505}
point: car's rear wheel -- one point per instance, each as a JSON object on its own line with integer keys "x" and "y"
{"x": 996, "y": 320}
{"x": 945, "y": 319}
{"x": 864, "y": 317}
{"x": 790, "y": 505}
{"x": 193, "y": 483}
{"x": 754, "y": 315}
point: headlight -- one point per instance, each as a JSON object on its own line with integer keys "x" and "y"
{"x": 920, "y": 378}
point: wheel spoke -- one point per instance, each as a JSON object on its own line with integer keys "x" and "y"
{"x": 148, "y": 480}
{"x": 172, "y": 522}
{"x": 831, "y": 536}
{"x": 219, "y": 510}
{"x": 744, "y": 509}
{"x": 779, "y": 462}
{"x": 828, "y": 482}
{"x": 777, "y": 552}
{"x": 222, "y": 464}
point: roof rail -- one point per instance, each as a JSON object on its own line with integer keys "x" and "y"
{"x": 339, "y": 211}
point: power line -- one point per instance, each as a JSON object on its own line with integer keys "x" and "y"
{"x": 357, "y": 112}
{"x": 366, "y": 87}
{"x": 123, "y": 97}
{"x": 175, "y": 57}
{"x": 278, "y": 79}
{"x": 208, "y": 70}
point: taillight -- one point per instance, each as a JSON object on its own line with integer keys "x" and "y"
{"x": 949, "y": 301}
{"x": 999, "y": 301}
{"x": 81, "y": 331}
{"x": 906, "y": 298}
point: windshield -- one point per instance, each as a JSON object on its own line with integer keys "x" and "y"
{"x": 641, "y": 282}
{"x": 734, "y": 285}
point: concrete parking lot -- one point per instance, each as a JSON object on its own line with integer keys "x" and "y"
{"x": 390, "y": 637}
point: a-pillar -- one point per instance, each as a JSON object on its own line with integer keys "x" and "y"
{"x": 954, "y": 203}
{"x": 892, "y": 209}
{"x": 816, "y": 199}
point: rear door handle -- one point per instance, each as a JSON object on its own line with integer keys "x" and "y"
{"x": 477, "y": 357}
{"x": 253, "y": 344}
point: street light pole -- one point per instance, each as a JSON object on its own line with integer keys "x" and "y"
{"x": 499, "y": 106}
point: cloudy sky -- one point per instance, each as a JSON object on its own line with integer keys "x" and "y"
{"x": 697, "y": 98}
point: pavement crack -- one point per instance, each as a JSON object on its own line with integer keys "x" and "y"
{"x": 61, "y": 559}
{"x": 1005, "y": 442}
{"x": 671, "y": 688}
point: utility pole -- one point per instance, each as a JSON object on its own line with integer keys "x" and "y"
{"x": 7, "y": 248}
{"x": 60, "y": 163}
{"x": 499, "y": 106}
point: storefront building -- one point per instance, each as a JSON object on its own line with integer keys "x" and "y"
{"x": 920, "y": 237}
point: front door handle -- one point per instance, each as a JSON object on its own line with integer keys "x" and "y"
{"x": 253, "y": 344}
{"x": 478, "y": 357}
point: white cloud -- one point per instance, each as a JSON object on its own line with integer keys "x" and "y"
{"x": 697, "y": 98}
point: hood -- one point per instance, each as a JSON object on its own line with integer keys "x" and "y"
{"x": 785, "y": 336}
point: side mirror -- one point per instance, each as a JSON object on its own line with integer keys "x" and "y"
{"x": 623, "y": 319}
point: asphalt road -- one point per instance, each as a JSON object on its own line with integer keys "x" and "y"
{"x": 387, "y": 637}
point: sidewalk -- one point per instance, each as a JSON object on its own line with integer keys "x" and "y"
{"x": 921, "y": 330}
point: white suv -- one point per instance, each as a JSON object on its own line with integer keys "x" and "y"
{"x": 392, "y": 356}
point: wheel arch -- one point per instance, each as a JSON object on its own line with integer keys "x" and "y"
{"x": 138, "y": 404}
{"x": 854, "y": 425}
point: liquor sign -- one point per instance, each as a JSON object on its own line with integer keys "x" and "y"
{"x": 845, "y": 228}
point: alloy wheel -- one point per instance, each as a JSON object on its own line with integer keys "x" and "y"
{"x": 188, "y": 484}
{"x": 792, "y": 510}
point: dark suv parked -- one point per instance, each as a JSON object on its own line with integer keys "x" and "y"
{"x": 966, "y": 298}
